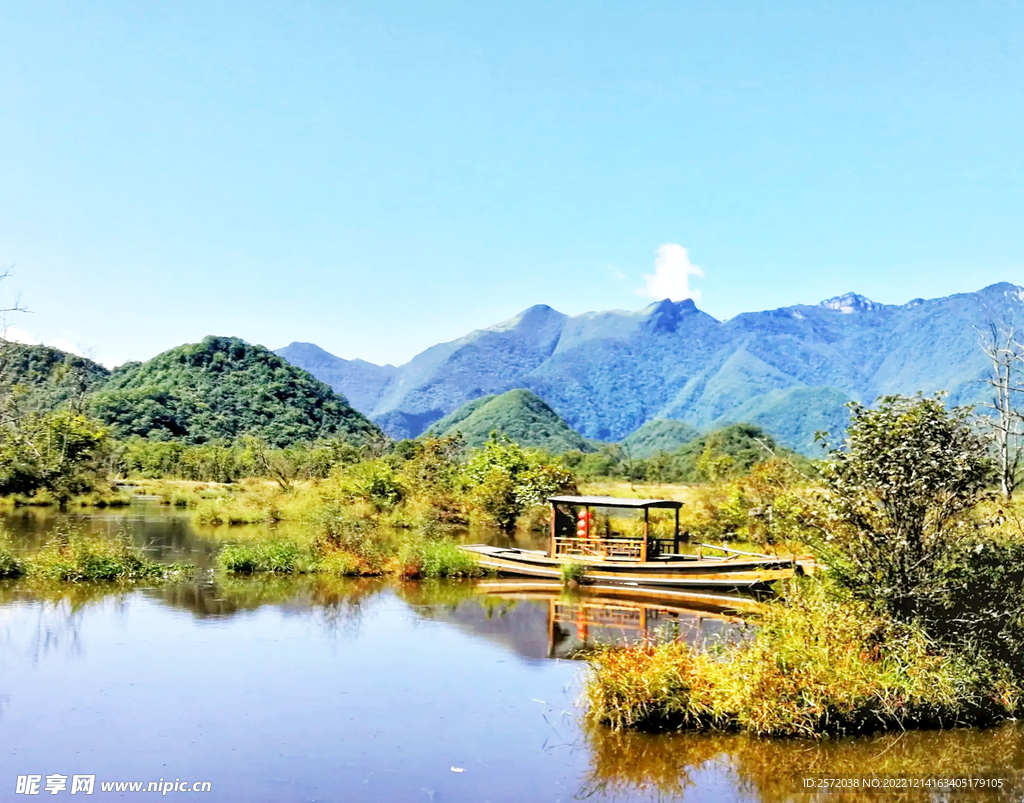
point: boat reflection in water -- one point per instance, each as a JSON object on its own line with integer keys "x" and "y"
{"x": 540, "y": 620}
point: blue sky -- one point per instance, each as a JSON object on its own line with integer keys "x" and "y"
{"x": 377, "y": 177}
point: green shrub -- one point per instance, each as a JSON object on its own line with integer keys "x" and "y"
{"x": 899, "y": 501}
{"x": 574, "y": 572}
{"x": 503, "y": 480}
{"x": 10, "y": 566}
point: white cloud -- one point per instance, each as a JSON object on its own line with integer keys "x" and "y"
{"x": 110, "y": 362}
{"x": 615, "y": 273}
{"x": 65, "y": 345}
{"x": 16, "y": 335}
{"x": 671, "y": 277}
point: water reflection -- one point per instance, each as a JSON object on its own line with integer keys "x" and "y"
{"x": 537, "y": 621}
{"x": 374, "y": 688}
{"x": 165, "y": 533}
{"x": 772, "y": 770}
{"x": 541, "y": 620}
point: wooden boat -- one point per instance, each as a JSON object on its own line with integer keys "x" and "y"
{"x": 611, "y": 558}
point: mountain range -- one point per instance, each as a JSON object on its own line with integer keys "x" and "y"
{"x": 789, "y": 370}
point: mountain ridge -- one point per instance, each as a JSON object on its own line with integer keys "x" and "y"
{"x": 609, "y": 372}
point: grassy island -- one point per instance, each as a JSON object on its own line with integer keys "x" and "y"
{"x": 72, "y": 557}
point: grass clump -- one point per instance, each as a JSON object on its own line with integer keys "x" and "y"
{"x": 438, "y": 558}
{"x": 351, "y": 552}
{"x": 820, "y": 663}
{"x": 10, "y": 566}
{"x": 80, "y": 558}
{"x": 235, "y": 510}
{"x": 574, "y": 572}
{"x": 278, "y": 556}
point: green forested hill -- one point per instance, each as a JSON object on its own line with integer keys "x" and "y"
{"x": 734, "y": 449}
{"x": 223, "y": 388}
{"x": 43, "y": 377}
{"x": 659, "y": 435}
{"x": 519, "y": 414}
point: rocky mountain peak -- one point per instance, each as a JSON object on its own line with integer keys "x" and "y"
{"x": 849, "y": 303}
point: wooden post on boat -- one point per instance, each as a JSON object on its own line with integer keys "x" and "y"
{"x": 676, "y": 536}
{"x": 554, "y": 515}
{"x": 647, "y": 531}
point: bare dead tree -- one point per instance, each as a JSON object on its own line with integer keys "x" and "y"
{"x": 1005, "y": 353}
{"x": 7, "y": 397}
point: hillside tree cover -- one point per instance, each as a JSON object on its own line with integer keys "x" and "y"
{"x": 659, "y": 435}
{"x": 220, "y": 389}
{"x": 519, "y": 415}
{"x": 724, "y": 453}
{"x": 47, "y": 443}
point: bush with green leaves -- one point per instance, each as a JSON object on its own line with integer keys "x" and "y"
{"x": 899, "y": 495}
{"x": 10, "y": 565}
{"x": 503, "y": 480}
{"x": 374, "y": 481}
{"x": 772, "y": 504}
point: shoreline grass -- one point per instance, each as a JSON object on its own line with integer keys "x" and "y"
{"x": 820, "y": 664}
{"x": 97, "y": 499}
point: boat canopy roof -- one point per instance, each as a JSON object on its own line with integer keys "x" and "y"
{"x": 615, "y": 501}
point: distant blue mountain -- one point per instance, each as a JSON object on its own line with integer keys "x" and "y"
{"x": 789, "y": 370}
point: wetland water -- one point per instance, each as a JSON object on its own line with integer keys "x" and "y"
{"x": 314, "y": 689}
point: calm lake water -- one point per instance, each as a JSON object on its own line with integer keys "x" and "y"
{"x": 326, "y": 690}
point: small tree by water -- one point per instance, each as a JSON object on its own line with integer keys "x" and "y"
{"x": 504, "y": 480}
{"x": 898, "y": 498}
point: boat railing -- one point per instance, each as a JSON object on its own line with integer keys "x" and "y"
{"x": 599, "y": 548}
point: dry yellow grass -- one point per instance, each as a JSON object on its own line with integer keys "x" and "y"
{"x": 640, "y": 490}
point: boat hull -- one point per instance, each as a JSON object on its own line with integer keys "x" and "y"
{"x": 745, "y": 574}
